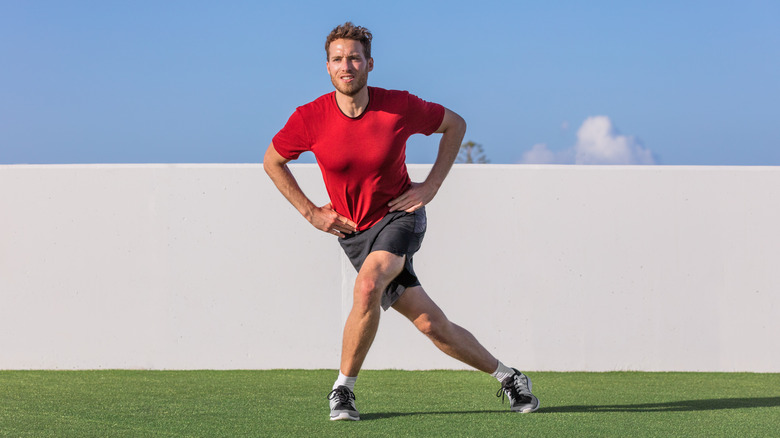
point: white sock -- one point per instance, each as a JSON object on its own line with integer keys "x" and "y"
{"x": 343, "y": 380}
{"x": 502, "y": 372}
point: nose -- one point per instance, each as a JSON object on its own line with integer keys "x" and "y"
{"x": 345, "y": 65}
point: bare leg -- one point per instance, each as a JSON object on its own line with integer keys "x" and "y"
{"x": 378, "y": 270}
{"x": 449, "y": 337}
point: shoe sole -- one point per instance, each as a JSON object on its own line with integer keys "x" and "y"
{"x": 529, "y": 410}
{"x": 344, "y": 416}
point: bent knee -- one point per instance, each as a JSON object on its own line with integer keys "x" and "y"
{"x": 368, "y": 292}
{"x": 367, "y": 286}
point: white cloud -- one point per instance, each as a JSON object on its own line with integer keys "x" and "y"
{"x": 597, "y": 143}
{"x": 539, "y": 154}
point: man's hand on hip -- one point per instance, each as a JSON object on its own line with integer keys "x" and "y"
{"x": 418, "y": 195}
{"x": 326, "y": 219}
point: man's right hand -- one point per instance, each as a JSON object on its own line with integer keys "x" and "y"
{"x": 323, "y": 218}
{"x": 326, "y": 219}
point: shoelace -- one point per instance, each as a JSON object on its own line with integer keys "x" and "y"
{"x": 343, "y": 394}
{"x": 512, "y": 389}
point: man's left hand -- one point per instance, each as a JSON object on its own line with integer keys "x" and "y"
{"x": 418, "y": 195}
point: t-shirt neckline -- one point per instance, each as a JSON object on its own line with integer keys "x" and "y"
{"x": 365, "y": 110}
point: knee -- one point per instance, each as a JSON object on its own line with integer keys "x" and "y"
{"x": 434, "y": 327}
{"x": 368, "y": 293}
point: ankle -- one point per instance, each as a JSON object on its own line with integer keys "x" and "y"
{"x": 502, "y": 372}
{"x": 347, "y": 381}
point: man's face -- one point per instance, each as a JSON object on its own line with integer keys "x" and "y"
{"x": 348, "y": 66}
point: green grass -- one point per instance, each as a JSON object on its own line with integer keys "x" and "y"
{"x": 288, "y": 403}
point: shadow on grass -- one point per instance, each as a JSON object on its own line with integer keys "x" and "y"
{"x": 677, "y": 406}
{"x": 381, "y": 415}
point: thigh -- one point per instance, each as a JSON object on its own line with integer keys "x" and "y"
{"x": 381, "y": 267}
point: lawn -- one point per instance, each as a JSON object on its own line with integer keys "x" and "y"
{"x": 284, "y": 403}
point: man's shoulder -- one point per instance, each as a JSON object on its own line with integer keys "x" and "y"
{"x": 319, "y": 104}
{"x": 391, "y": 94}
{"x": 384, "y": 98}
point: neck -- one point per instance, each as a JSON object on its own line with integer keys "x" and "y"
{"x": 353, "y": 106}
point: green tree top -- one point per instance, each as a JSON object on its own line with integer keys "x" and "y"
{"x": 471, "y": 152}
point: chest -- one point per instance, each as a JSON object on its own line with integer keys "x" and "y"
{"x": 368, "y": 144}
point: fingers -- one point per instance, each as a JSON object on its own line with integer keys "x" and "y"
{"x": 401, "y": 203}
{"x": 337, "y": 234}
{"x": 339, "y": 230}
{"x": 331, "y": 222}
{"x": 409, "y": 201}
{"x": 406, "y": 205}
{"x": 341, "y": 227}
{"x": 346, "y": 224}
{"x": 394, "y": 204}
{"x": 413, "y": 208}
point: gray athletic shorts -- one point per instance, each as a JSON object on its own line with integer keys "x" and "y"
{"x": 400, "y": 233}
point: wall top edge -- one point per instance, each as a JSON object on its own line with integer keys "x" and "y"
{"x": 646, "y": 168}
{"x": 134, "y": 166}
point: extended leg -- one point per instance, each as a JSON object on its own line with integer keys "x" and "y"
{"x": 457, "y": 342}
{"x": 449, "y": 337}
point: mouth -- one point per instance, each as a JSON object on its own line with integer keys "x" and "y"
{"x": 347, "y": 78}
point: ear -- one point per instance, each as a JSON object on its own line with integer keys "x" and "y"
{"x": 370, "y": 64}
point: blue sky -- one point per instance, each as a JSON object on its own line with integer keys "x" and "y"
{"x": 663, "y": 82}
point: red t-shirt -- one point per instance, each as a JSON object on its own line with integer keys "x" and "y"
{"x": 362, "y": 159}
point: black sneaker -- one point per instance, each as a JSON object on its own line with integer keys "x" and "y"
{"x": 517, "y": 388}
{"x": 342, "y": 404}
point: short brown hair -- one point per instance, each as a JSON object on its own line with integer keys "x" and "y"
{"x": 349, "y": 31}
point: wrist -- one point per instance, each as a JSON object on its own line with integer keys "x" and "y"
{"x": 433, "y": 183}
{"x": 308, "y": 212}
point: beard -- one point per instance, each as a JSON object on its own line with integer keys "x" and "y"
{"x": 352, "y": 88}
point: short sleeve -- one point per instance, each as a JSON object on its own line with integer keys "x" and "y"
{"x": 424, "y": 117}
{"x": 292, "y": 140}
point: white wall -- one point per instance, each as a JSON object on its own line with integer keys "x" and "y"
{"x": 551, "y": 267}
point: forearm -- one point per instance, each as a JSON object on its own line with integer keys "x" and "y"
{"x": 322, "y": 218}
{"x": 284, "y": 180}
{"x": 452, "y": 128}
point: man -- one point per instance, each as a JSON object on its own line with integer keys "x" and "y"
{"x": 358, "y": 135}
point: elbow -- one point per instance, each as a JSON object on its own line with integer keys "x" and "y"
{"x": 266, "y": 164}
{"x": 271, "y": 167}
{"x": 461, "y": 125}
{"x": 454, "y": 123}
{"x": 270, "y": 160}
{"x": 456, "y": 126}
